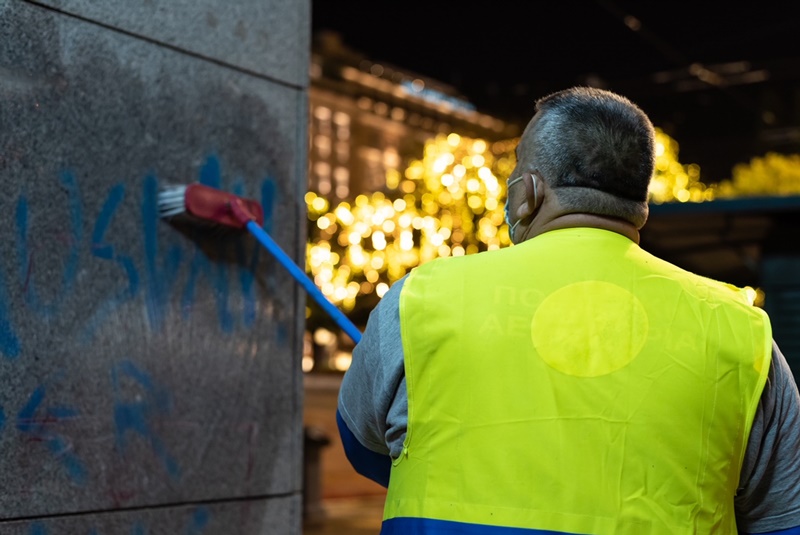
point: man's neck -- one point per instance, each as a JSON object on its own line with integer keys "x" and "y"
{"x": 588, "y": 220}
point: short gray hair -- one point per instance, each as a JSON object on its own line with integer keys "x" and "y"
{"x": 596, "y": 149}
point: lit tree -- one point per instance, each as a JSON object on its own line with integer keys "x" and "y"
{"x": 772, "y": 174}
{"x": 450, "y": 203}
{"x": 674, "y": 181}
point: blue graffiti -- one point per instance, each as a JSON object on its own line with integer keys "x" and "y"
{"x": 161, "y": 276}
{"x": 217, "y": 272}
{"x": 160, "y": 269}
{"x": 246, "y": 272}
{"x": 102, "y": 249}
{"x": 268, "y": 202}
{"x": 210, "y": 175}
{"x": 41, "y": 429}
{"x": 9, "y": 342}
{"x": 136, "y": 416}
{"x": 198, "y": 522}
{"x": 25, "y": 256}
{"x": 37, "y": 528}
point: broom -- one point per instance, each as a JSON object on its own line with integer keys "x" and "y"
{"x": 199, "y": 204}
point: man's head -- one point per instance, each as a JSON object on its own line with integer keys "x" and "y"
{"x": 595, "y": 151}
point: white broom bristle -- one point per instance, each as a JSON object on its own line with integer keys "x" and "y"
{"x": 171, "y": 201}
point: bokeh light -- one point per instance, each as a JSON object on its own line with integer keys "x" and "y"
{"x": 450, "y": 203}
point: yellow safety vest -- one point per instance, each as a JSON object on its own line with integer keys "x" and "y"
{"x": 578, "y": 384}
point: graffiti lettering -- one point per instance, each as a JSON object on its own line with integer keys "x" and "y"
{"x": 136, "y": 416}
{"x": 156, "y": 275}
{"x": 160, "y": 276}
{"x": 9, "y": 343}
{"x": 25, "y": 255}
{"x": 41, "y": 428}
{"x": 102, "y": 249}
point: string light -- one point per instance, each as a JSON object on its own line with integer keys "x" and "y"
{"x": 450, "y": 203}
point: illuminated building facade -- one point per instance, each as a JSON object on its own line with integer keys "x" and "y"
{"x": 370, "y": 118}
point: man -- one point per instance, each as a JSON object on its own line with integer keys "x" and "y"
{"x": 574, "y": 383}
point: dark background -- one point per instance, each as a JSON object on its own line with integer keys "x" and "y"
{"x": 722, "y": 79}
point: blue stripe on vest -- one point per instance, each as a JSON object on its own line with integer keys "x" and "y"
{"x": 428, "y": 526}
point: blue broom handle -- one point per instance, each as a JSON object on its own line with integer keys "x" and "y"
{"x": 300, "y": 276}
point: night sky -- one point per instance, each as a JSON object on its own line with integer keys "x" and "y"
{"x": 714, "y": 77}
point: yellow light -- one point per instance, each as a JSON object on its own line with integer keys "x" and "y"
{"x": 378, "y": 240}
{"x": 354, "y": 238}
{"x": 479, "y": 146}
{"x": 454, "y": 140}
{"x": 356, "y": 254}
{"x": 415, "y": 171}
{"x": 388, "y": 226}
{"x": 458, "y": 251}
{"x": 361, "y": 227}
{"x": 459, "y": 171}
{"x": 342, "y": 361}
{"x": 381, "y": 289}
{"x": 392, "y": 178}
{"x": 399, "y": 205}
{"x": 447, "y": 180}
{"x": 323, "y": 223}
{"x": 372, "y": 276}
{"x": 440, "y": 165}
{"x": 478, "y": 160}
{"x": 340, "y": 293}
{"x": 308, "y": 363}
{"x": 378, "y": 218}
{"x": 443, "y": 250}
{"x": 406, "y": 240}
{"x": 407, "y": 186}
{"x": 473, "y": 185}
{"x": 320, "y": 204}
{"x": 376, "y": 262}
{"x": 324, "y": 337}
{"x": 352, "y": 288}
{"x": 491, "y": 203}
{"x": 475, "y": 202}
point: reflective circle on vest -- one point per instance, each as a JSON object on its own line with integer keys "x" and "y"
{"x": 588, "y": 329}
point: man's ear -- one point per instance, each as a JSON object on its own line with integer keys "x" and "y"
{"x": 533, "y": 195}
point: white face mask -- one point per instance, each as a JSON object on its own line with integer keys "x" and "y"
{"x": 505, "y": 209}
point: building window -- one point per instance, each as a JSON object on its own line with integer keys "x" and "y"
{"x": 322, "y": 172}
{"x": 323, "y": 146}
{"x": 341, "y": 176}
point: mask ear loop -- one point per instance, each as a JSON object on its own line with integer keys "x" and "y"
{"x": 535, "y": 193}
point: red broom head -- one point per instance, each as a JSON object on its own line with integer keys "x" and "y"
{"x": 223, "y": 208}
